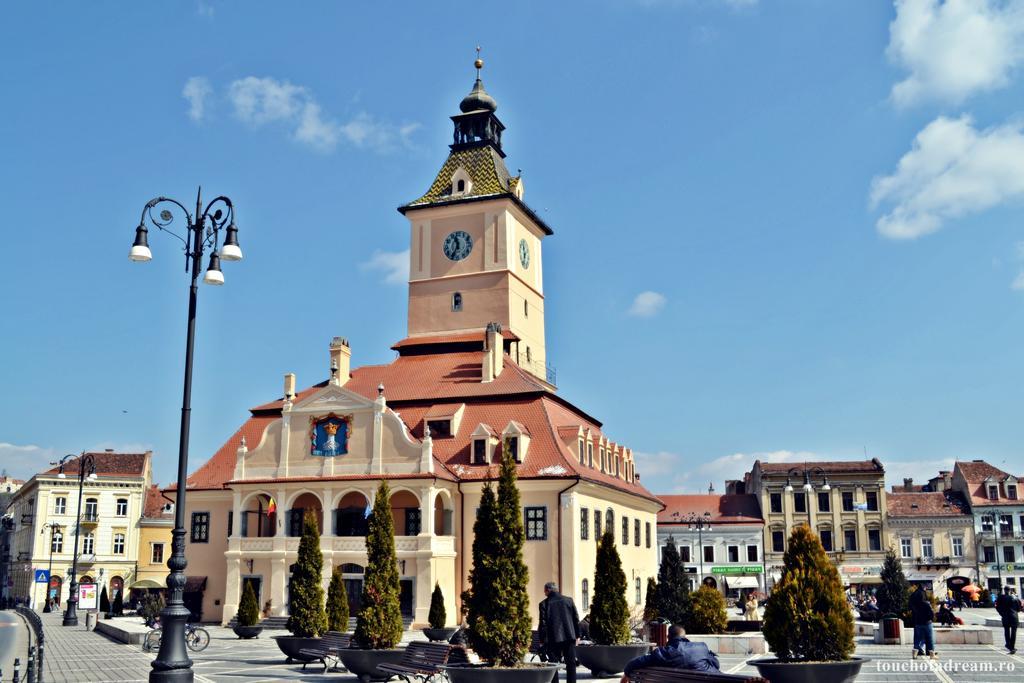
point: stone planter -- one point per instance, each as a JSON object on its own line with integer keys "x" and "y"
{"x": 439, "y": 634}
{"x": 809, "y": 672}
{"x": 605, "y": 660}
{"x": 485, "y": 673}
{"x": 363, "y": 663}
{"x": 247, "y": 632}
{"x": 290, "y": 646}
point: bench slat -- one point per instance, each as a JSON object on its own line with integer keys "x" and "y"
{"x": 662, "y": 674}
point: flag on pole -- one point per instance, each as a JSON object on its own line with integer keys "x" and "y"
{"x": 367, "y": 511}
{"x": 271, "y": 507}
{"x": 860, "y": 506}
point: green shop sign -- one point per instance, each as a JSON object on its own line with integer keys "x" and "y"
{"x": 741, "y": 569}
{"x": 1004, "y": 567}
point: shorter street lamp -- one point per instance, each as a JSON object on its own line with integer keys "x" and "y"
{"x": 54, "y": 529}
{"x": 700, "y": 523}
{"x": 86, "y": 470}
{"x": 807, "y": 473}
{"x": 996, "y": 516}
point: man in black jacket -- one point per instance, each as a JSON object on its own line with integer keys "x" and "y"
{"x": 559, "y": 629}
{"x": 1009, "y": 609}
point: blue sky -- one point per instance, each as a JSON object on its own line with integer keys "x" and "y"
{"x": 782, "y": 229}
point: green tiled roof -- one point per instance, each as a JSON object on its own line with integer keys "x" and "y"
{"x": 484, "y": 166}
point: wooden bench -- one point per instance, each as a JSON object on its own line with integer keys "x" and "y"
{"x": 422, "y": 661}
{"x": 330, "y": 644}
{"x": 535, "y": 651}
{"x": 664, "y": 674}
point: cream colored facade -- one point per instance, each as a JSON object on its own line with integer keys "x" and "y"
{"x": 108, "y": 544}
{"x": 849, "y": 517}
{"x": 154, "y": 549}
{"x": 934, "y": 549}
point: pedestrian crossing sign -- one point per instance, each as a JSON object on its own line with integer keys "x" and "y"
{"x": 42, "y": 576}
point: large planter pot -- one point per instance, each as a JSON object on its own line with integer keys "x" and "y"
{"x": 363, "y": 663}
{"x": 247, "y": 632}
{"x": 485, "y": 673}
{"x": 605, "y": 660}
{"x": 290, "y": 646}
{"x": 809, "y": 672}
{"x": 439, "y": 634}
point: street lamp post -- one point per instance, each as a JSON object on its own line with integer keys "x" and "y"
{"x": 807, "y": 473}
{"x": 54, "y": 529}
{"x": 202, "y": 231}
{"x": 996, "y": 515}
{"x": 86, "y": 470}
{"x": 700, "y": 523}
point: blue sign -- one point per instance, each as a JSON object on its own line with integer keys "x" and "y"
{"x": 328, "y": 436}
{"x": 42, "y": 576}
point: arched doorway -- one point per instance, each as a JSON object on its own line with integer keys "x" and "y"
{"x": 86, "y": 579}
{"x": 307, "y": 502}
{"x": 257, "y": 519}
{"x": 350, "y": 515}
{"x": 710, "y": 582}
{"x": 53, "y": 592}
{"x": 116, "y": 589}
{"x": 352, "y": 575}
{"x": 405, "y": 511}
{"x": 443, "y": 515}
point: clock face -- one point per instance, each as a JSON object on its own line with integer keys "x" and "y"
{"x": 457, "y": 245}
{"x": 524, "y": 253}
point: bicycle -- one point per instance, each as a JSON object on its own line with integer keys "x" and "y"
{"x": 196, "y": 638}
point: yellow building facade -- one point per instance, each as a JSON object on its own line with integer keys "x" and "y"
{"x": 470, "y": 376}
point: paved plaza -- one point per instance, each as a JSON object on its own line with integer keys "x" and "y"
{"x": 75, "y": 654}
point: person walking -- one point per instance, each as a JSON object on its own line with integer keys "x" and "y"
{"x": 924, "y": 632}
{"x": 559, "y": 629}
{"x": 1008, "y": 608}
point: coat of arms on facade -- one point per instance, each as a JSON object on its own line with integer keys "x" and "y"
{"x": 328, "y": 436}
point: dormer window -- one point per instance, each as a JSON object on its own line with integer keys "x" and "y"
{"x": 580, "y": 452}
{"x": 460, "y": 186}
{"x": 1011, "y": 491}
{"x": 479, "y": 451}
{"x": 456, "y": 302}
{"x": 590, "y": 454}
{"x": 440, "y": 429}
{"x": 517, "y": 440}
{"x": 602, "y": 458}
{"x": 993, "y": 491}
{"x": 461, "y": 182}
{"x": 482, "y": 444}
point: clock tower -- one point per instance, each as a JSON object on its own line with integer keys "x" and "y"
{"x": 475, "y": 246}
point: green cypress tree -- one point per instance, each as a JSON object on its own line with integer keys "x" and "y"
{"x": 248, "y": 609}
{"x": 379, "y": 622}
{"x": 104, "y": 602}
{"x": 337, "y": 603}
{"x": 609, "y": 613}
{"x": 118, "y": 607}
{"x": 308, "y": 619}
{"x": 499, "y": 615}
{"x": 894, "y": 593}
{"x": 651, "y": 600}
{"x": 672, "y": 593}
{"x": 706, "y": 613}
{"x": 807, "y": 618}
{"x": 437, "y": 615}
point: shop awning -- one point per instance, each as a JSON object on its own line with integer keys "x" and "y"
{"x": 145, "y": 583}
{"x": 741, "y": 581}
{"x": 195, "y": 584}
{"x": 861, "y": 580}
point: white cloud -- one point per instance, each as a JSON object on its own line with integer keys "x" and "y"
{"x": 954, "y": 48}
{"x": 666, "y": 472}
{"x": 394, "y": 265}
{"x": 1018, "y": 282}
{"x": 647, "y": 304}
{"x": 952, "y": 169}
{"x": 21, "y": 462}
{"x": 261, "y": 101}
{"x": 197, "y": 89}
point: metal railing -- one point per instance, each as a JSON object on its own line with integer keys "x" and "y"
{"x": 90, "y": 517}
{"x": 34, "y": 667}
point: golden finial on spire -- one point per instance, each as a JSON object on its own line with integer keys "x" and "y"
{"x": 479, "y": 63}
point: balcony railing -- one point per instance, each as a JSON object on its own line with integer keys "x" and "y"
{"x": 87, "y": 558}
{"x": 90, "y": 517}
{"x": 944, "y": 560}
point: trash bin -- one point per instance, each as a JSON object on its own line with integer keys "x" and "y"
{"x": 90, "y": 621}
{"x": 657, "y": 632}
{"x": 892, "y": 628}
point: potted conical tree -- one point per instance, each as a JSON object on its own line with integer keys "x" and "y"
{"x": 118, "y": 606}
{"x": 499, "y": 605}
{"x": 893, "y": 598}
{"x": 379, "y": 622}
{"x": 105, "y": 603}
{"x": 307, "y": 621}
{"x": 807, "y": 623}
{"x": 248, "y": 617}
{"x": 671, "y": 589}
{"x": 609, "y": 616}
{"x": 337, "y": 603}
{"x": 437, "y": 618}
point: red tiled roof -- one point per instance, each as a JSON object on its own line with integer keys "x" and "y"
{"x": 926, "y": 504}
{"x": 221, "y": 467}
{"x": 836, "y": 466}
{"x": 975, "y": 473}
{"x": 737, "y": 508}
{"x": 153, "y": 507}
{"x": 454, "y": 338}
{"x": 109, "y": 464}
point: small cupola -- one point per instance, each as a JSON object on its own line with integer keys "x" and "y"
{"x": 477, "y": 125}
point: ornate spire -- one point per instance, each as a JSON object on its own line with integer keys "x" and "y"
{"x": 477, "y": 123}
{"x": 478, "y": 99}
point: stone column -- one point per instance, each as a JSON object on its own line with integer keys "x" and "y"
{"x": 232, "y": 589}
{"x": 279, "y": 586}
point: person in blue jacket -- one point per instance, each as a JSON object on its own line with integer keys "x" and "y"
{"x": 678, "y": 653}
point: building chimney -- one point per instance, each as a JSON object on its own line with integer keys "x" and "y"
{"x": 341, "y": 361}
{"x": 494, "y": 353}
{"x": 289, "y": 386}
{"x": 908, "y": 483}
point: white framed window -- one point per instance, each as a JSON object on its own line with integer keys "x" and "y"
{"x": 585, "y": 594}
{"x": 122, "y": 507}
{"x": 709, "y": 553}
{"x": 639, "y": 596}
{"x": 993, "y": 492}
{"x": 57, "y": 544}
{"x": 536, "y": 523}
{"x": 118, "y": 546}
{"x": 89, "y": 544}
{"x": 684, "y": 553}
{"x": 157, "y": 556}
{"x": 927, "y": 549}
{"x": 456, "y": 302}
{"x": 906, "y": 548}
{"x": 60, "y": 505}
{"x": 958, "y": 546}
{"x": 752, "y": 553}
{"x": 734, "y": 553}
